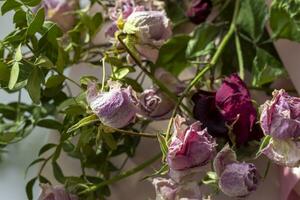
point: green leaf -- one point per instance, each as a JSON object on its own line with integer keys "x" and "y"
{"x": 20, "y": 18}
{"x": 54, "y": 81}
{"x": 202, "y": 40}
{"x": 252, "y": 17}
{"x": 176, "y": 61}
{"x": 14, "y": 75}
{"x": 9, "y": 5}
{"x": 29, "y": 187}
{"x": 33, "y": 87}
{"x": 4, "y": 72}
{"x": 18, "y": 55}
{"x": 33, "y": 163}
{"x": 6, "y": 138}
{"x": 163, "y": 144}
{"x": 264, "y": 143}
{"x": 46, "y": 147}
{"x": 107, "y": 138}
{"x": 58, "y": 173}
{"x": 84, "y": 122}
{"x": 37, "y": 23}
{"x": 266, "y": 68}
{"x": 50, "y": 124}
{"x": 44, "y": 180}
{"x": 285, "y": 19}
{"x": 31, "y": 2}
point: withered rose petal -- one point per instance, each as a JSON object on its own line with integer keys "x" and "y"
{"x": 234, "y": 101}
{"x": 199, "y": 10}
{"x": 116, "y": 108}
{"x": 206, "y": 112}
{"x": 55, "y": 193}
{"x": 223, "y": 158}
{"x": 239, "y": 179}
{"x": 190, "y": 146}
{"x": 280, "y": 117}
{"x": 154, "y": 104}
{"x": 283, "y": 152}
{"x": 60, "y": 12}
{"x": 167, "y": 189}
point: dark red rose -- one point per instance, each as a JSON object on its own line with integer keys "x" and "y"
{"x": 206, "y": 112}
{"x": 199, "y": 10}
{"x": 234, "y": 101}
{"x": 230, "y": 105}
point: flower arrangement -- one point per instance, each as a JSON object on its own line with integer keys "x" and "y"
{"x": 214, "y": 129}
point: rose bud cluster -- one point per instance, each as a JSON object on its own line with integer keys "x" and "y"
{"x": 199, "y": 10}
{"x": 150, "y": 30}
{"x": 154, "y": 103}
{"x": 60, "y": 12}
{"x": 230, "y": 105}
{"x": 167, "y": 189}
{"x": 190, "y": 150}
{"x": 235, "y": 179}
{"x": 280, "y": 119}
{"x": 55, "y": 193}
{"x": 116, "y": 108}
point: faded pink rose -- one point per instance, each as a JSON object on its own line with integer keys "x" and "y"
{"x": 167, "y": 189}
{"x": 190, "y": 146}
{"x": 116, "y": 108}
{"x": 60, "y": 12}
{"x": 55, "y": 193}
{"x": 151, "y": 29}
{"x": 236, "y": 179}
{"x": 280, "y": 117}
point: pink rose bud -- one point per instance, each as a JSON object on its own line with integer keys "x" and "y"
{"x": 151, "y": 28}
{"x": 167, "y": 189}
{"x": 154, "y": 104}
{"x": 190, "y": 146}
{"x": 239, "y": 179}
{"x": 199, "y": 10}
{"x": 60, "y": 12}
{"x": 283, "y": 152}
{"x": 55, "y": 193}
{"x": 280, "y": 117}
{"x": 235, "y": 179}
{"x": 116, "y": 108}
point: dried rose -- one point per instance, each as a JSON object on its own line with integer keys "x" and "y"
{"x": 60, "y": 12}
{"x": 234, "y": 101}
{"x": 280, "y": 117}
{"x": 167, "y": 189}
{"x": 283, "y": 152}
{"x": 151, "y": 29}
{"x": 223, "y": 158}
{"x": 239, "y": 179}
{"x": 55, "y": 193}
{"x": 199, "y": 10}
{"x": 208, "y": 114}
{"x": 190, "y": 150}
{"x": 116, "y": 108}
{"x": 235, "y": 179}
{"x": 154, "y": 104}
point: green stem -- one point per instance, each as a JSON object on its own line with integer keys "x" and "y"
{"x": 208, "y": 66}
{"x": 69, "y": 79}
{"x": 155, "y": 80}
{"x": 122, "y": 175}
{"x": 103, "y": 74}
{"x": 147, "y": 135}
{"x": 240, "y": 56}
